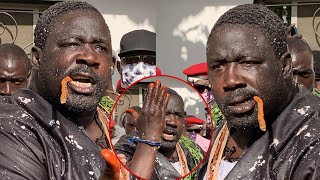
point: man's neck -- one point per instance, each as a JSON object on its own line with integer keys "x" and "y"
{"x": 239, "y": 141}
{"x": 170, "y": 154}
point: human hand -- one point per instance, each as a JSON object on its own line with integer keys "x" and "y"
{"x": 151, "y": 121}
{"x": 117, "y": 172}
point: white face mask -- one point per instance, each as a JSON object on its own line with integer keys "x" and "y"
{"x": 134, "y": 72}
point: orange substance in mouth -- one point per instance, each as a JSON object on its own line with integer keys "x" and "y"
{"x": 64, "y": 89}
{"x": 262, "y": 122}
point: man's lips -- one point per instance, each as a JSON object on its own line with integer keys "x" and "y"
{"x": 83, "y": 83}
{"x": 241, "y": 105}
{"x": 169, "y": 135}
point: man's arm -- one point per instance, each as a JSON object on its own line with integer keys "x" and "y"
{"x": 151, "y": 124}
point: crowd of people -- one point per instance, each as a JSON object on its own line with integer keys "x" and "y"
{"x": 260, "y": 82}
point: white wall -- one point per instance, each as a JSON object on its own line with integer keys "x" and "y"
{"x": 123, "y": 16}
{"x": 182, "y": 30}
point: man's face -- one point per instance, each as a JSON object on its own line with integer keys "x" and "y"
{"x": 13, "y": 73}
{"x": 79, "y": 46}
{"x": 174, "y": 122}
{"x": 241, "y": 64}
{"x": 136, "y": 65}
{"x": 129, "y": 124}
{"x": 303, "y": 71}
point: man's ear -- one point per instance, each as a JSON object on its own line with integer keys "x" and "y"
{"x": 36, "y": 57}
{"x": 119, "y": 68}
{"x": 285, "y": 60}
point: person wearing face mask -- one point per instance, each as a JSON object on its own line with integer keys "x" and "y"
{"x": 137, "y": 56}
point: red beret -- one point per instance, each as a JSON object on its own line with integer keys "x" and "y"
{"x": 119, "y": 88}
{"x": 200, "y": 69}
{"x": 193, "y": 121}
{"x": 158, "y": 71}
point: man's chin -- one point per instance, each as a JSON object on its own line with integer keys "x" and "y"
{"x": 168, "y": 144}
{"x": 80, "y": 103}
{"x": 245, "y": 122}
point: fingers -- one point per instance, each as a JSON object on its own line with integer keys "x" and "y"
{"x": 162, "y": 95}
{"x": 111, "y": 160}
{"x": 155, "y": 93}
{"x": 165, "y": 103}
{"x": 147, "y": 100}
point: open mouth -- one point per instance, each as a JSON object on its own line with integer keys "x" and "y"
{"x": 83, "y": 83}
{"x": 169, "y": 135}
{"x": 241, "y": 105}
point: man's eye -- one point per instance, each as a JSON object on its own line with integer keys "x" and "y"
{"x": 304, "y": 74}
{"x": 70, "y": 44}
{"x": 217, "y": 67}
{"x": 249, "y": 63}
{"x": 17, "y": 81}
{"x": 102, "y": 48}
{"x": 2, "y": 80}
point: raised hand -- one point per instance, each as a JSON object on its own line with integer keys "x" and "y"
{"x": 151, "y": 122}
{"x": 117, "y": 172}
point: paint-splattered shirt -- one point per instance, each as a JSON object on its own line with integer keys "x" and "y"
{"x": 37, "y": 142}
{"x": 291, "y": 150}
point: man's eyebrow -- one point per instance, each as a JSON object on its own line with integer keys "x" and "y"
{"x": 83, "y": 38}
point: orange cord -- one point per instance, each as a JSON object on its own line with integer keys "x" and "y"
{"x": 64, "y": 89}
{"x": 261, "y": 120}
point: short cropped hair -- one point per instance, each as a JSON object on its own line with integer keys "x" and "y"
{"x": 49, "y": 17}
{"x": 257, "y": 16}
{"x": 174, "y": 93}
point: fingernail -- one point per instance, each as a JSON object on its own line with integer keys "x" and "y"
{"x": 164, "y": 87}
{"x": 157, "y": 82}
{"x": 151, "y": 85}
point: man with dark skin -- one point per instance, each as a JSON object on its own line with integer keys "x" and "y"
{"x": 316, "y": 60}
{"x": 14, "y": 69}
{"x": 46, "y": 138}
{"x": 161, "y": 120}
{"x": 302, "y": 62}
{"x": 248, "y": 59}
{"x": 130, "y": 120}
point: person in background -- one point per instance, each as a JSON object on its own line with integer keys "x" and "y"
{"x": 160, "y": 151}
{"x": 302, "y": 62}
{"x": 137, "y": 56}
{"x": 15, "y": 69}
{"x": 129, "y": 120}
{"x": 196, "y": 128}
{"x": 197, "y": 76}
{"x": 316, "y": 60}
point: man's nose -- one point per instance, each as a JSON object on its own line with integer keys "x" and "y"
{"x": 88, "y": 56}
{"x": 233, "y": 78}
{"x": 6, "y": 89}
{"x": 171, "y": 120}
